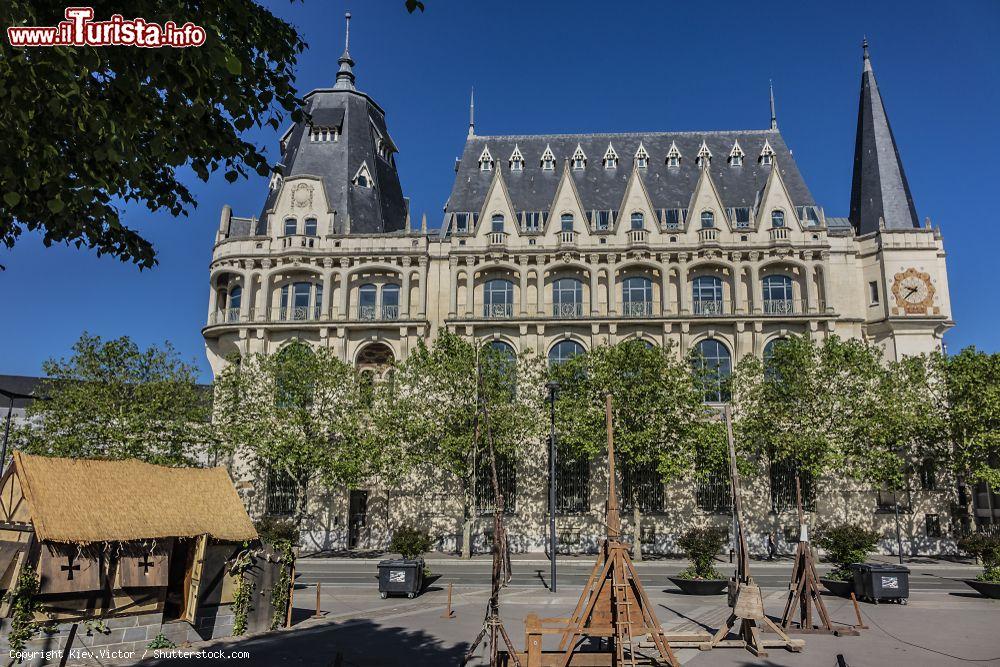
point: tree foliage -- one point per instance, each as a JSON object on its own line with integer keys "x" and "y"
{"x": 88, "y": 129}
{"x": 973, "y": 399}
{"x": 111, "y": 399}
{"x": 846, "y": 543}
{"x": 657, "y": 407}
{"x": 299, "y": 411}
{"x": 700, "y": 545}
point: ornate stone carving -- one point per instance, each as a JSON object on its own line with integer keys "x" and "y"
{"x": 302, "y": 195}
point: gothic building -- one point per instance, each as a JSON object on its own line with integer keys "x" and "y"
{"x": 558, "y": 243}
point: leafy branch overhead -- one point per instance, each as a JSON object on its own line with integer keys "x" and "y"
{"x": 89, "y": 130}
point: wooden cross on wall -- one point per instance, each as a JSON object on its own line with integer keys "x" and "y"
{"x": 146, "y": 564}
{"x": 69, "y": 568}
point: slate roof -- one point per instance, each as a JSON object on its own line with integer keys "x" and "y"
{"x": 20, "y": 387}
{"x": 378, "y": 209}
{"x": 533, "y": 189}
{"x": 879, "y": 189}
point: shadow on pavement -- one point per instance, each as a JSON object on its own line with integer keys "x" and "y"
{"x": 360, "y": 644}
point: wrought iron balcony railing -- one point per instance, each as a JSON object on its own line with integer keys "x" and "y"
{"x": 297, "y": 313}
{"x": 780, "y": 307}
{"x": 637, "y": 309}
{"x": 709, "y": 307}
{"x": 376, "y": 313}
{"x": 498, "y": 311}
{"x": 568, "y": 310}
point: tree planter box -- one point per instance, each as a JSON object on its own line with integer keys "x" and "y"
{"x": 840, "y": 588}
{"x": 990, "y": 589}
{"x": 700, "y": 586}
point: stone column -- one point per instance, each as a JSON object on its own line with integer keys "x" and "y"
{"x": 825, "y": 305}
{"x": 327, "y": 289}
{"x": 756, "y": 291}
{"x": 345, "y": 289}
{"x": 404, "y": 298}
{"x": 811, "y": 305}
{"x": 595, "y": 301}
{"x": 247, "y": 290}
{"x": 734, "y": 288}
{"x": 470, "y": 292}
{"x": 612, "y": 287}
{"x": 453, "y": 280}
{"x": 665, "y": 288}
{"x": 213, "y": 302}
{"x": 263, "y": 304}
{"x": 683, "y": 288}
{"x": 523, "y": 296}
{"x": 540, "y": 280}
{"x": 423, "y": 287}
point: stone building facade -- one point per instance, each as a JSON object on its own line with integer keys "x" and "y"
{"x": 560, "y": 243}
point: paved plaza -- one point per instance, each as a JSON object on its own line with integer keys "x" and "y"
{"x": 945, "y": 622}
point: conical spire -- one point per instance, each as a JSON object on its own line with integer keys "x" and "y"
{"x": 879, "y": 189}
{"x": 472, "y": 112}
{"x": 345, "y": 75}
{"x": 774, "y": 117}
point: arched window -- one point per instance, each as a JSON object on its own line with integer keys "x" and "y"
{"x": 567, "y": 222}
{"x": 638, "y": 222}
{"x": 567, "y": 298}
{"x": 311, "y": 226}
{"x": 706, "y": 292}
{"x": 714, "y": 366}
{"x": 770, "y": 372}
{"x": 498, "y": 298}
{"x": 390, "y": 302}
{"x": 291, "y": 226}
{"x": 707, "y": 219}
{"x": 295, "y": 301}
{"x": 564, "y": 350}
{"x": 778, "y": 295}
{"x": 777, "y": 218}
{"x": 496, "y": 223}
{"x": 235, "y": 300}
{"x": 367, "y": 296}
{"x": 637, "y": 296}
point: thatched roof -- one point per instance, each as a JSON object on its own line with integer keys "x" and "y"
{"x": 82, "y": 501}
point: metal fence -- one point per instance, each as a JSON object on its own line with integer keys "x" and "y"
{"x": 572, "y": 486}
{"x": 714, "y": 493}
{"x": 506, "y": 477}
{"x": 645, "y": 485}
{"x": 782, "y": 478}
{"x": 281, "y": 493}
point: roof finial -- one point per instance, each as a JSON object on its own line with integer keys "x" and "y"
{"x": 774, "y": 118}
{"x": 345, "y": 75}
{"x": 865, "y": 57}
{"x": 472, "y": 112}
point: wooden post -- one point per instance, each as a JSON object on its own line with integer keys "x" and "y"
{"x": 857, "y": 611}
{"x": 614, "y": 519}
{"x": 448, "y": 613}
{"x": 68, "y": 645}
{"x": 291, "y": 597}
{"x": 319, "y": 588}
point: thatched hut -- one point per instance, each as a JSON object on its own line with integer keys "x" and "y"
{"x": 120, "y": 552}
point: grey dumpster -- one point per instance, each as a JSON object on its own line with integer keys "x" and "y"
{"x": 882, "y": 581}
{"x": 404, "y": 577}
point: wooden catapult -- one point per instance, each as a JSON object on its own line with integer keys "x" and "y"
{"x": 613, "y": 608}
{"x": 745, "y": 598}
{"x": 804, "y": 592}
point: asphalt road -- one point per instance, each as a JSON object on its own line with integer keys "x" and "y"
{"x": 574, "y": 573}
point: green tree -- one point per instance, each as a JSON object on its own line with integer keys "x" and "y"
{"x": 299, "y": 412}
{"x": 110, "y": 399}
{"x": 436, "y": 402}
{"x": 660, "y": 419}
{"x": 972, "y": 378}
{"x": 88, "y": 129}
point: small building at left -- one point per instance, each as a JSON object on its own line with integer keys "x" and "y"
{"x": 120, "y": 553}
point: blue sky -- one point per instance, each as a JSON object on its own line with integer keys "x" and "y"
{"x": 585, "y": 66}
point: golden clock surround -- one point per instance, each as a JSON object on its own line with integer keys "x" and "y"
{"x": 922, "y": 307}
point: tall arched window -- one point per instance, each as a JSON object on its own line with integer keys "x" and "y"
{"x": 311, "y": 226}
{"x": 567, "y": 298}
{"x": 706, "y": 292}
{"x": 770, "y": 371}
{"x": 707, "y": 219}
{"x": 564, "y": 350}
{"x": 714, "y": 365}
{"x": 496, "y": 223}
{"x": 777, "y": 218}
{"x": 291, "y": 226}
{"x": 367, "y": 297}
{"x": 235, "y": 301}
{"x": 637, "y": 296}
{"x": 566, "y": 222}
{"x": 390, "y": 302}
{"x": 499, "y": 357}
{"x": 638, "y": 221}
{"x": 778, "y": 298}
{"x": 295, "y": 301}
{"x": 498, "y": 298}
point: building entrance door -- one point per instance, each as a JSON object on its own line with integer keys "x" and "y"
{"x": 357, "y": 516}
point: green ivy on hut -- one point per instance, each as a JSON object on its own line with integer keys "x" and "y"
{"x": 23, "y": 605}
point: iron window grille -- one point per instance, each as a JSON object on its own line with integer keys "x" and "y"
{"x": 572, "y": 486}
{"x": 281, "y": 493}
{"x": 932, "y": 525}
{"x": 506, "y": 477}
{"x": 645, "y": 485}
{"x": 714, "y": 493}
{"x": 782, "y": 482}
{"x": 928, "y": 475}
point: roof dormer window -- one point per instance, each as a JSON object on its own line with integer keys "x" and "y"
{"x": 485, "y": 160}
{"x": 610, "y": 158}
{"x": 324, "y": 133}
{"x": 579, "y": 158}
{"x": 673, "y": 156}
{"x": 548, "y": 159}
{"x": 516, "y": 160}
{"x": 704, "y": 158}
{"x": 641, "y": 157}
{"x": 736, "y": 156}
{"x": 767, "y": 154}
{"x": 363, "y": 177}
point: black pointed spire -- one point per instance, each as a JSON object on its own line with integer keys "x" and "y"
{"x": 472, "y": 113}
{"x": 774, "y": 117}
{"x": 879, "y": 190}
{"x": 345, "y": 75}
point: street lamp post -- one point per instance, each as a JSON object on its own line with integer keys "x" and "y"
{"x": 899, "y": 535}
{"x": 553, "y": 387}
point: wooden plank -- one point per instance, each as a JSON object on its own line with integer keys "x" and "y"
{"x": 145, "y": 570}
{"x": 64, "y": 569}
{"x": 194, "y": 580}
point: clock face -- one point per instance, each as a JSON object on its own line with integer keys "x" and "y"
{"x": 914, "y": 291}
